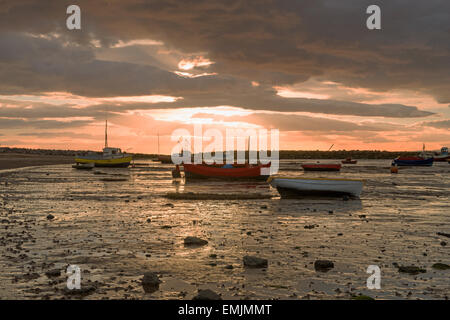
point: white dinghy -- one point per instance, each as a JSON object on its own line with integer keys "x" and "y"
{"x": 294, "y": 187}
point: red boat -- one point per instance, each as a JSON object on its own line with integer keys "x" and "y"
{"x": 321, "y": 166}
{"x": 349, "y": 161}
{"x": 228, "y": 171}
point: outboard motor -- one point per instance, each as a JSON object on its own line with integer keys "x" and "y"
{"x": 176, "y": 174}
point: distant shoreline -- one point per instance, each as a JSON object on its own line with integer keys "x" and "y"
{"x": 27, "y": 156}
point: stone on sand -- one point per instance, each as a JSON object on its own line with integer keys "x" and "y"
{"x": 440, "y": 266}
{"x": 50, "y": 217}
{"x": 53, "y": 273}
{"x": 411, "y": 270}
{"x": 255, "y": 262}
{"x": 323, "y": 265}
{"x": 207, "y": 294}
{"x": 194, "y": 241}
{"x": 150, "y": 282}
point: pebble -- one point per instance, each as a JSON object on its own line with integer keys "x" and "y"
{"x": 255, "y": 262}
{"x": 194, "y": 241}
{"x": 53, "y": 273}
{"x": 411, "y": 270}
{"x": 207, "y": 294}
{"x": 150, "y": 282}
{"x": 323, "y": 265}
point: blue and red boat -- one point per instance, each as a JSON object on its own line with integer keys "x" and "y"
{"x": 413, "y": 161}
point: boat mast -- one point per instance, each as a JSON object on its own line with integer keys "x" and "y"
{"x": 106, "y": 133}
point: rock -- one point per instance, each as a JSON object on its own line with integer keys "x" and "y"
{"x": 443, "y": 243}
{"x": 149, "y": 220}
{"x": 411, "y": 269}
{"x": 443, "y": 234}
{"x": 229, "y": 267}
{"x": 264, "y": 207}
{"x": 50, "y": 217}
{"x": 53, "y": 273}
{"x": 194, "y": 241}
{"x": 255, "y": 262}
{"x": 330, "y": 211}
{"x": 150, "y": 282}
{"x": 440, "y": 266}
{"x": 323, "y": 265}
{"x": 207, "y": 294}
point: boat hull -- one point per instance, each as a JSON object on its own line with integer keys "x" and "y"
{"x": 321, "y": 167}
{"x": 441, "y": 158}
{"x": 349, "y": 161}
{"x": 303, "y": 187}
{"x": 165, "y": 159}
{"x": 83, "y": 166}
{"x": 414, "y": 162}
{"x": 201, "y": 171}
{"x": 115, "y": 162}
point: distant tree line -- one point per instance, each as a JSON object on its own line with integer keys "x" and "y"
{"x": 284, "y": 154}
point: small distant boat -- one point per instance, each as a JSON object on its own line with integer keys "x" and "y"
{"x": 321, "y": 166}
{"x": 349, "y": 161}
{"x": 423, "y": 159}
{"x": 413, "y": 161}
{"x": 443, "y": 155}
{"x": 110, "y": 157}
{"x": 289, "y": 187}
{"x": 227, "y": 171}
{"x": 83, "y": 166}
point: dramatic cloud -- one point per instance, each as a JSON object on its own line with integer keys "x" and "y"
{"x": 273, "y": 59}
{"x": 445, "y": 124}
{"x": 34, "y": 65}
{"x": 275, "y": 42}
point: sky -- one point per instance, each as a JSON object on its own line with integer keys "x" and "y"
{"x": 309, "y": 68}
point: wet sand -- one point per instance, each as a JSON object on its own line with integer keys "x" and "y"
{"x": 19, "y": 160}
{"x": 116, "y": 231}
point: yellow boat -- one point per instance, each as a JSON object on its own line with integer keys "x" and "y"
{"x": 110, "y": 157}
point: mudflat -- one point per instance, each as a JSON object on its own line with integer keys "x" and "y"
{"x": 19, "y": 160}
{"x": 122, "y": 230}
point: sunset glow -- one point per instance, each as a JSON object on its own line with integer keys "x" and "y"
{"x": 159, "y": 81}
